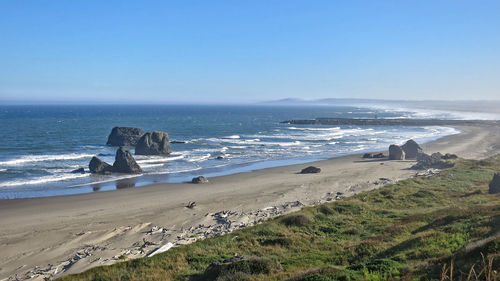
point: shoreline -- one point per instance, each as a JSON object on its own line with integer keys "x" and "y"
{"x": 123, "y": 181}
{"x": 86, "y": 230}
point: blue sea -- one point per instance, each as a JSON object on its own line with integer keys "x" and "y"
{"x": 41, "y": 145}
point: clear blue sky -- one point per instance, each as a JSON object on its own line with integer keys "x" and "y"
{"x": 240, "y": 51}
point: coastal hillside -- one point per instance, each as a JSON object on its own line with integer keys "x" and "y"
{"x": 441, "y": 227}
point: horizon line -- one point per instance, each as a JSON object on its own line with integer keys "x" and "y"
{"x": 283, "y": 101}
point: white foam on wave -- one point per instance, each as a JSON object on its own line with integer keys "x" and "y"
{"x": 320, "y": 134}
{"x": 177, "y": 171}
{"x": 421, "y": 113}
{"x": 42, "y": 180}
{"x": 295, "y": 143}
{"x": 199, "y": 158}
{"x": 314, "y": 129}
{"x": 159, "y": 159}
{"x": 233, "y": 140}
{"x": 173, "y": 171}
{"x": 151, "y": 166}
{"x": 232, "y": 137}
{"x": 434, "y": 132}
{"x": 42, "y": 158}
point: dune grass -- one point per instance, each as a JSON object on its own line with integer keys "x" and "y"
{"x": 427, "y": 228}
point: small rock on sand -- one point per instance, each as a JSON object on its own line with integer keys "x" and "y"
{"x": 310, "y": 170}
{"x": 191, "y": 204}
{"x": 200, "y": 179}
{"x": 373, "y": 155}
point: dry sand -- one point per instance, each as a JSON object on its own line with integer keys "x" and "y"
{"x": 45, "y": 238}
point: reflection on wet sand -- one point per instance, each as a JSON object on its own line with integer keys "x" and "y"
{"x": 96, "y": 186}
{"x": 125, "y": 183}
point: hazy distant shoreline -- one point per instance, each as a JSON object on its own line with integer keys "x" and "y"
{"x": 389, "y": 122}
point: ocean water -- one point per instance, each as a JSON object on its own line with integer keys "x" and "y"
{"x": 41, "y": 145}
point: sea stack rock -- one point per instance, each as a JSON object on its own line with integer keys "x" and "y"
{"x": 124, "y": 136}
{"x": 125, "y": 163}
{"x": 153, "y": 143}
{"x": 310, "y": 170}
{"x": 495, "y": 184}
{"x": 200, "y": 179}
{"x": 411, "y": 149}
{"x": 396, "y": 152}
{"x": 97, "y": 166}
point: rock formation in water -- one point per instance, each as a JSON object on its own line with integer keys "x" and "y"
{"x": 78, "y": 171}
{"x": 97, "y": 166}
{"x": 153, "y": 143}
{"x": 125, "y": 163}
{"x": 124, "y": 136}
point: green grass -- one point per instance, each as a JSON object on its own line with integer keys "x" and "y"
{"x": 405, "y": 231}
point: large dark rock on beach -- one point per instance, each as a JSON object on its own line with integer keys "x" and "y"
{"x": 426, "y": 161}
{"x": 435, "y": 160}
{"x": 396, "y": 152}
{"x": 97, "y": 166}
{"x": 124, "y": 136}
{"x": 495, "y": 184}
{"x": 449, "y": 156}
{"x": 153, "y": 143}
{"x": 411, "y": 149}
{"x": 373, "y": 155}
{"x": 125, "y": 163}
{"x": 310, "y": 170}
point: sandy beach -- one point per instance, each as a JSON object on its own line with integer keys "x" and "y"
{"x": 52, "y": 236}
